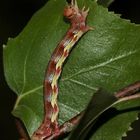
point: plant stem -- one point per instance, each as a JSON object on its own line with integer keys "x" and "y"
{"x": 129, "y": 90}
{"x": 21, "y": 130}
{"x": 131, "y": 97}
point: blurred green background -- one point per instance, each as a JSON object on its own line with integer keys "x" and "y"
{"x": 14, "y": 15}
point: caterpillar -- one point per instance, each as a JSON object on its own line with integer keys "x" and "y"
{"x": 78, "y": 27}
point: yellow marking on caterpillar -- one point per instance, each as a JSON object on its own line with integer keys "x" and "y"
{"x": 54, "y": 116}
{"x": 56, "y": 76}
{"x": 62, "y": 59}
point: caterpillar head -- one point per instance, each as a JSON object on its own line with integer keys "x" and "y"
{"x": 71, "y": 10}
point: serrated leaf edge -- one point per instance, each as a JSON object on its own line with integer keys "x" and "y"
{"x": 130, "y": 128}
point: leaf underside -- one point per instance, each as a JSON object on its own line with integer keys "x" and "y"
{"x": 106, "y": 57}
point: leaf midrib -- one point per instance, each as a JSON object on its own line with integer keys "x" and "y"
{"x": 84, "y": 70}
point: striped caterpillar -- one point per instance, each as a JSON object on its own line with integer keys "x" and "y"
{"x": 78, "y": 27}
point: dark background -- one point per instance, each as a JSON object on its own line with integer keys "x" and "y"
{"x": 14, "y": 15}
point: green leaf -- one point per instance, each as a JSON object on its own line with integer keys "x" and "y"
{"x": 106, "y": 57}
{"x": 99, "y": 103}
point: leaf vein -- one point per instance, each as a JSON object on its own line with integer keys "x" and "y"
{"x": 25, "y": 94}
{"x": 82, "y": 84}
{"x": 91, "y": 68}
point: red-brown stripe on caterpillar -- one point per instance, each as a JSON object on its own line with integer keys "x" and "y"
{"x": 78, "y": 27}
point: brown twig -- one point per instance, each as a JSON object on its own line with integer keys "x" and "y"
{"x": 129, "y": 90}
{"x": 21, "y": 130}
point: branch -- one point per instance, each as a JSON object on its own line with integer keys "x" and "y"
{"x": 21, "y": 130}
{"x": 129, "y": 90}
